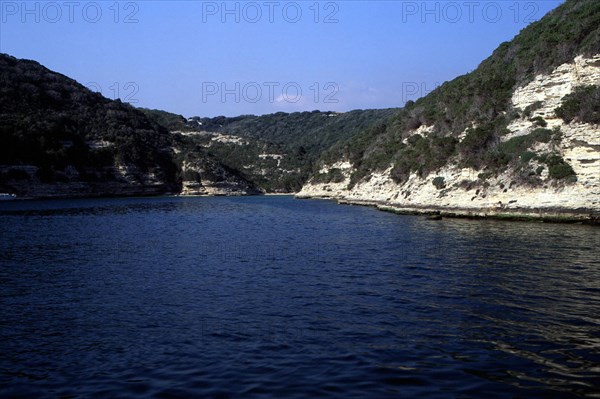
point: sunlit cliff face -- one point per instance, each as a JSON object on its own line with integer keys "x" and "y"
{"x": 579, "y": 145}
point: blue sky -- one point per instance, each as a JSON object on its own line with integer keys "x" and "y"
{"x": 211, "y": 58}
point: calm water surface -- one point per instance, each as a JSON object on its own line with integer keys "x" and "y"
{"x": 274, "y": 297}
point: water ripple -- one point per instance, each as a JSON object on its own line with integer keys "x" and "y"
{"x": 272, "y": 297}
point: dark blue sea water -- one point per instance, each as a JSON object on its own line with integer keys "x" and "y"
{"x": 273, "y": 297}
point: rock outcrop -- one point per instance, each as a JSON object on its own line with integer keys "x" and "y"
{"x": 204, "y": 176}
{"x": 59, "y": 139}
{"x": 464, "y": 191}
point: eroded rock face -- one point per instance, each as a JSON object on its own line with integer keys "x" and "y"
{"x": 202, "y": 177}
{"x": 550, "y": 89}
{"x": 212, "y": 188}
{"x": 60, "y": 139}
{"x": 463, "y": 189}
{"x": 125, "y": 180}
{"x": 544, "y": 94}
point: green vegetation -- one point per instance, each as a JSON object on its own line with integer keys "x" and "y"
{"x": 517, "y": 152}
{"x": 52, "y": 125}
{"x": 438, "y": 182}
{"x": 72, "y": 134}
{"x": 558, "y": 168}
{"x": 530, "y": 108}
{"x": 314, "y": 131}
{"x": 518, "y": 146}
{"x": 423, "y": 155}
{"x": 266, "y": 172}
{"x": 476, "y": 149}
{"x": 298, "y": 139}
{"x": 479, "y": 105}
{"x": 582, "y": 105}
{"x": 199, "y": 166}
{"x": 171, "y": 121}
{"x": 332, "y": 176}
{"x": 539, "y": 121}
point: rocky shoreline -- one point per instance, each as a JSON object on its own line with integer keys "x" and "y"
{"x": 546, "y": 215}
{"x": 525, "y": 190}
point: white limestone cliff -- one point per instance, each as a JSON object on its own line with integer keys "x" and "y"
{"x": 213, "y": 180}
{"x": 463, "y": 193}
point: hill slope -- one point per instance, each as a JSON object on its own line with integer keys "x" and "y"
{"x": 277, "y": 152}
{"x": 518, "y": 134}
{"x": 59, "y": 139}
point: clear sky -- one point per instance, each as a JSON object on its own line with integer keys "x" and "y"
{"x": 211, "y": 58}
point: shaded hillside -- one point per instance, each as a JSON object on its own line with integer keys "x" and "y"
{"x": 313, "y": 131}
{"x": 204, "y": 174}
{"x": 270, "y": 167}
{"x": 276, "y": 152}
{"x": 59, "y": 138}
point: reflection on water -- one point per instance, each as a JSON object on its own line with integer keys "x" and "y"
{"x": 219, "y": 297}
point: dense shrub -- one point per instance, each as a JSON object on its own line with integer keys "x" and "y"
{"x": 582, "y": 105}
{"x": 558, "y": 168}
{"x": 334, "y": 175}
{"x": 539, "y": 121}
{"x": 422, "y": 155}
{"x": 532, "y": 107}
{"x": 517, "y": 146}
{"x": 438, "y": 182}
